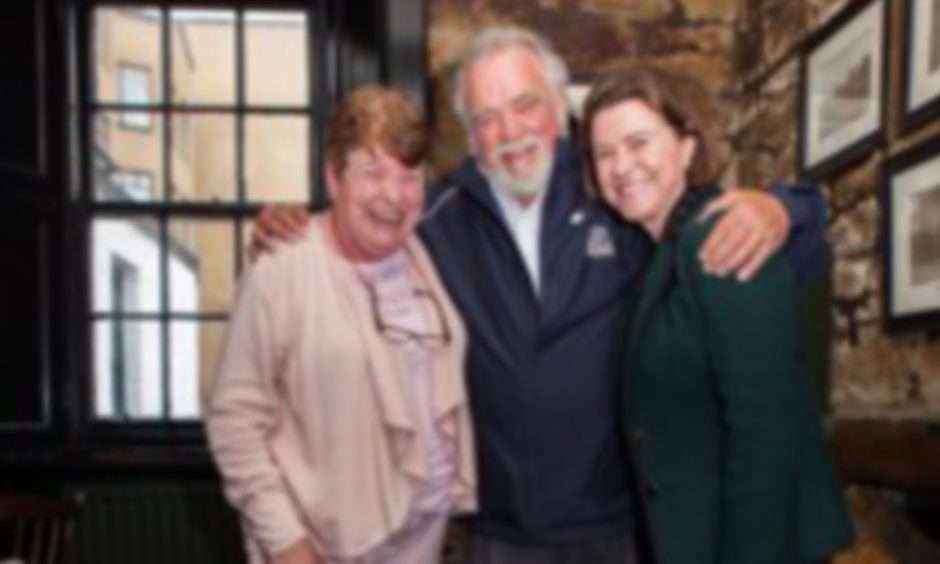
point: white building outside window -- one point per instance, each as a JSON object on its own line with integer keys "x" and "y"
{"x": 134, "y": 88}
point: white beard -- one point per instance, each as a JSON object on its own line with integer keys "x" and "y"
{"x": 502, "y": 180}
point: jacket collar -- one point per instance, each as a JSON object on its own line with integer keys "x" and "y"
{"x": 660, "y": 274}
{"x": 564, "y": 189}
{"x": 687, "y": 208}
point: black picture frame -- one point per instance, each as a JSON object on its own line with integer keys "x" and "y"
{"x": 921, "y": 49}
{"x": 858, "y": 20}
{"x": 910, "y": 195}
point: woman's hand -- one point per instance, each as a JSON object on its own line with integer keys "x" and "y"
{"x": 300, "y": 553}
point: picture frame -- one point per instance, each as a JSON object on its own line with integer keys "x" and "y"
{"x": 910, "y": 238}
{"x": 843, "y": 89}
{"x": 920, "y": 100}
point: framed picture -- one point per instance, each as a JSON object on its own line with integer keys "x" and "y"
{"x": 911, "y": 238}
{"x": 843, "y": 88}
{"x": 921, "y": 99}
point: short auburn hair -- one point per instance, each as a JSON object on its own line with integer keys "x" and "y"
{"x": 377, "y": 116}
{"x": 680, "y": 99}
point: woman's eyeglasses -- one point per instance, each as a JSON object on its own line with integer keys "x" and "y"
{"x": 400, "y": 334}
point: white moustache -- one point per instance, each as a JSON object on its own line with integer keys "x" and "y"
{"x": 517, "y": 146}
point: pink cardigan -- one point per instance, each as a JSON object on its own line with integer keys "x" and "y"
{"x": 311, "y": 420}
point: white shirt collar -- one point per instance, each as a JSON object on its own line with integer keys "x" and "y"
{"x": 525, "y": 224}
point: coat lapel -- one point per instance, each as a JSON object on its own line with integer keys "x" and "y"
{"x": 447, "y": 370}
{"x": 655, "y": 286}
{"x": 659, "y": 277}
{"x": 448, "y": 393}
{"x": 562, "y": 232}
{"x": 387, "y": 373}
{"x": 660, "y": 272}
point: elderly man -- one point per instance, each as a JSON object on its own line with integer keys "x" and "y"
{"x": 539, "y": 271}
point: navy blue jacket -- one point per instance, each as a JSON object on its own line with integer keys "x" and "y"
{"x": 543, "y": 371}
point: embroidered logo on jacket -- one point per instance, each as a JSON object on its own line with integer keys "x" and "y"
{"x": 599, "y": 243}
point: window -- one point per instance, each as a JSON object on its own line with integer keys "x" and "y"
{"x": 215, "y": 118}
{"x": 124, "y": 373}
{"x": 132, "y": 184}
{"x": 134, "y": 89}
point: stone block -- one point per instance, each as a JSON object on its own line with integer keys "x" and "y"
{"x": 856, "y": 230}
{"x": 657, "y": 39}
{"x": 784, "y": 23}
{"x": 632, "y": 9}
{"x": 925, "y": 364}
{"x": 821, "y": 11}
{"x": 709, "y": 10}
{"x": 871, "y": 374}
{"x": 852, "y": 278}
{"x": 885, "y": 532}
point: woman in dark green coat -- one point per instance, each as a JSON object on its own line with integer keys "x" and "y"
{"x": 719, "y": 415}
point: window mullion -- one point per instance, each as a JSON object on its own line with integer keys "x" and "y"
{"x": 240, "y": 102}
{"x": 167, "y": 164}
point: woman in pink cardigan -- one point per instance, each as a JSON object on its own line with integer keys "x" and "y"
{"x": 338, "y": 417}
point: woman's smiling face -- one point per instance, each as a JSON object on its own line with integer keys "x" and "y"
{"x": 377, "y": 202}
{"x": 640, "y": 162}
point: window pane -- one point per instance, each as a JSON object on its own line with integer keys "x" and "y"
{"x": 128, "y": 369}
{"x": 203, "y": 157}
{"x": 195, "y": 347}
{"x": 127, "y": 56}
{"x": 277, "y": 158}
{"x": 134, "y": 90}
{"x": 203, "y": 56}
{"x": 125, "y": 265}
{"x": 276, "y": 58}
{"x": 127, "y": 160}
{"x": 202, "y": 265}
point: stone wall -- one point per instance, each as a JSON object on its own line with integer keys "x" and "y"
{"x": 747, "y": 52}
{"x": 873, "y": 373}
{"x": 875, "y": 376}
{"x": 592, "y": 36}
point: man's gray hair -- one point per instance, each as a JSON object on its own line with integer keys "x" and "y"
{"x": 495, "y": 39}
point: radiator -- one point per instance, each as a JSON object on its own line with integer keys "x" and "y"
{"x": 154, "y": 523}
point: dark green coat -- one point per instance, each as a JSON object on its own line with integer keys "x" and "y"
{"x": 720, "y": 417}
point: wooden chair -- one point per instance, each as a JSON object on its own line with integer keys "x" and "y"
{"x": 35, "y": 529}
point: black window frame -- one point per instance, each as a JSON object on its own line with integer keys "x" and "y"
{"x": 322, "y": 89}
{"x": 45, "y": 166}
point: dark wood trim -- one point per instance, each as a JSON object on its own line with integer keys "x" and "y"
{"x": 43, "y": 379}
{"x": 898, "y": 454}
{"x": 405, "y": 28}
{"x": 40, "y": 168}
{"x": 263, "y": 4}
{"x": 102, "y": 461}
